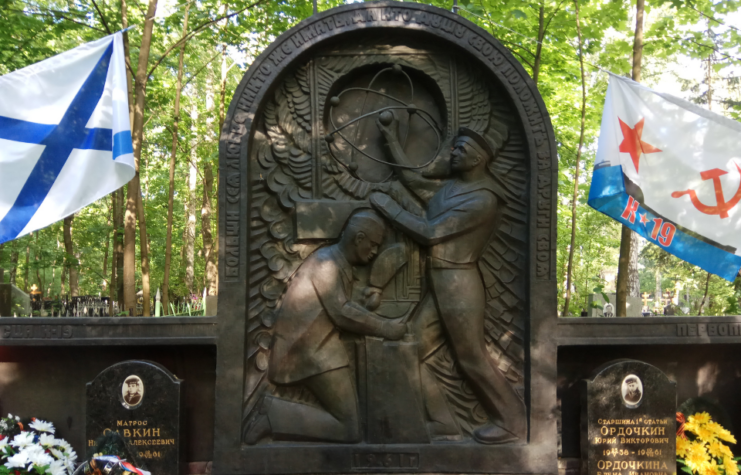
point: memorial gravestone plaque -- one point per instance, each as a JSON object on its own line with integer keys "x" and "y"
{"x": 628, "y": 420}
{"x": 387, "y": 201}
{"x": 141, "y": 400}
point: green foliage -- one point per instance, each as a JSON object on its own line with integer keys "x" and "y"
{"x": 677, "y": 32}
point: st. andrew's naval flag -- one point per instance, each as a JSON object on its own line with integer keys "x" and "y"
{"x": 671, "y": 171}
{"x": 65, "y": 137}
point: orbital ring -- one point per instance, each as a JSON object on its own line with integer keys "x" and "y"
{"x": 432, "y": 125}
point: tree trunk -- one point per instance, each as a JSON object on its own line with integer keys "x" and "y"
{"x": 114, "y": 258}
{"x": 710, "y": 71}
{"x": 120, "y": 200}
{"x": 578, "y": 159}
{"x": 628, "y": 263}
{"x": 63, "y": 282}
{"x": 634, "y": 280}
{"x": 51, "y": 281}
{"x": 39, "y": 282}
{"x": 210, "y": 274}
{"x": 69, "y": 249}
{"x": 144, "y": 244}
{"x": 657, "y": 300}
{"x": 222, "y": 92}
{"x": 132, "y": 188}
{"x": 705, "y": 296}
{"x": 638, "y": 42}
{"x": 539, "y": 45}
{"x": 173, "y": 155}
{"x": 129, "y": 275}
{"x": 128, "y": 250}
{"x": 28, "y": 252}
{"x": 127, "y": 58}
{"x": 191, "y": 222}
{"x": 14, "y": 265}
{"x": 107, "y": 246}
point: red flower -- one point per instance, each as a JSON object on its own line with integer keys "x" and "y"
{"x": 20, "y": 425}
{"x": 2, "y": 437}
{"x": 680, "y": 426}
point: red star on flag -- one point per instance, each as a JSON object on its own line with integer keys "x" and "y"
{"x": 632, "y": 142}
{"x": 644, "y": 219}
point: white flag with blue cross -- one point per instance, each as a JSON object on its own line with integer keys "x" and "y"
{"x": 65, "y": 135}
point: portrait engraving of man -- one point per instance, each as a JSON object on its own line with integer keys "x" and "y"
{"x": 631, "y": 390}
{"x": 462, "y": 212}
{"x": 132, "y": 390}
{"x": 307, "y": 349}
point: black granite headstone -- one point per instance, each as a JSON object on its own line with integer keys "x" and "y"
{"x": 628, "y": 420}
{"x": 141, "y": 400}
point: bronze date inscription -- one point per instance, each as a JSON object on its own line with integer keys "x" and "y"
{"x": 381, "y": 460}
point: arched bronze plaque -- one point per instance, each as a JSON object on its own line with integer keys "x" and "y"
{"x": 387, "y": 247}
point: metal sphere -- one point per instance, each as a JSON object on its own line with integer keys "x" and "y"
{"x": 386, "y": 117}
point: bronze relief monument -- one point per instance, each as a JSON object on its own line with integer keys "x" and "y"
{"x": 387, "y": 253}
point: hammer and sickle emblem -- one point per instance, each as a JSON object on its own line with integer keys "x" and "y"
{"x": 722, "y": 206}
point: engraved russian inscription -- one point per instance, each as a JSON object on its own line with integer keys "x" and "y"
{"x": 629, "y": 412}
{"x": 381, "y": 461}
{"x": 708, "y": 329}
{"x": 141, "y": 401}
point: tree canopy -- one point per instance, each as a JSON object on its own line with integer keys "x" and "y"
{"x": 691, "y": 46}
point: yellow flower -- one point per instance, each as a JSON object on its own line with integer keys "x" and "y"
{"x": 698, "y": 467}
{"x": 716, "y": 449}
{"x": 697, "y": 458}
{"x": 683, "y": 446}
{"x": 705, "y": 434}
{"x": 700, "y": 418}
{"x": 726, "y": 451}
{"x": 691, "y": 425}
{"x": 714, "y": 427}
{"x": 698, "y": 448}
{"x": 730, "y": 466}
{"x": 710, "y": 468}
{"x": 725, "y": 434}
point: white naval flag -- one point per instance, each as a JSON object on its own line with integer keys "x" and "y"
{"x": 65, "y": 137}
{"x": 671, "y": 171}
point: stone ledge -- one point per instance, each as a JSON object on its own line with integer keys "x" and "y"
{"x": 76, "y": 331}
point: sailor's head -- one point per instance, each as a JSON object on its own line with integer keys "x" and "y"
{"x": 473, "y": 150}
{"x": 362, "y": 236}
{"x": 632, "y": 383}
{"x": 132, "y": 385}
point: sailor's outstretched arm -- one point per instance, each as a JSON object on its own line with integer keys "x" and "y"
{"x": 424, "y": 188}
{"x": 476, "y": 211}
